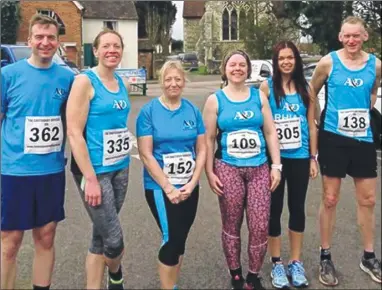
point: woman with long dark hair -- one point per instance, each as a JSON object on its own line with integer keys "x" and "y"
{"x": 293, "y": 113}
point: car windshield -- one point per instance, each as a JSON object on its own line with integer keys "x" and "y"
{"x": 25, "y": 52}
{"x": 190, "y": 56}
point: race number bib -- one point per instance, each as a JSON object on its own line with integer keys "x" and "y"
{"x": 243, "y": 144}
{"x": 43, "y": 135}
{"x": 178, "y": 167}
{"x": 289, "y": 133}
{"x": 116, "y": 146}
{"x": 353, "y": 122}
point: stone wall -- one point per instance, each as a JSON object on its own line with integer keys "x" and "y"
{"x": 191, "y": 34}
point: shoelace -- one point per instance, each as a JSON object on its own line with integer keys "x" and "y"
{"x": 279, "y": 270}
{"x": 328, "y": 266}
{"x": 376, "y": 263}
{"x": 298, "y": 269}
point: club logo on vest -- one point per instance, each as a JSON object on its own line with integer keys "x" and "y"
{"x": 244, "y": 115}
{"x": 291, "y": 107}
{"x": 188, "y": 125}
{"x": 119, "y": 105}
{"x": 354, "y": 83}
{"x": 60, "y": 94}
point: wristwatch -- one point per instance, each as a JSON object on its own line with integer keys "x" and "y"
{"x": 277, "y": 166}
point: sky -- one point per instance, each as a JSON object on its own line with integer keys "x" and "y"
{"x": 177, "y": 28}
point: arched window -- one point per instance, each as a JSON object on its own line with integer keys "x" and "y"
{"x": 226, "y": 25}
{"x": 233, "y": 25}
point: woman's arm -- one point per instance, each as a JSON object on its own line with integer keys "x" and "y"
{"x": 270, "y": 133}
{"x": 265, "y": 88}
{"x": 312, "y": 123}
{"x": 210, "y": 119}
{"x": 201, "y": 152}
{"x": 76, "y": 115}
{"x": 145, "y": 148}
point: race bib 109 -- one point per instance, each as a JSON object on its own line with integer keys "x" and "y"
{"x": 43, "y": 135}
{"x": 243, "y": 144}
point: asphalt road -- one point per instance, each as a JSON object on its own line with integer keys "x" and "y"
{"x": 204, "y": 265}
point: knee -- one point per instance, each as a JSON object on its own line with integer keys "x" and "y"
{"x": 170, "y": 252}
{"x": 113, "y": 249}
{"x": 367, "y": 201}
{"x": 330, "y": 200}
{"x": 10, "y": 245}
{"x": 44, "y": 238}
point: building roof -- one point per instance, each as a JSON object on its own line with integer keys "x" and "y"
{"x": 114, "y": 10}
{"x": 193, "y": 9}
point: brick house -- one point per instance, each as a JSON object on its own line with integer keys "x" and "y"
{"x": 81, "y": 21}
{"x": 69, "y": 16}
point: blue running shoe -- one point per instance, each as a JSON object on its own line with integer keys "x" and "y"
{"x": 279, "y": 277}
{"x": 297, "y": 273}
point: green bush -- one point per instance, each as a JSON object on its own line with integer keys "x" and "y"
{"x": 202, "y": 70}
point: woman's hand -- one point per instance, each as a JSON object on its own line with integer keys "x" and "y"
{"x": 275, "y": 178}
{"x": 215, "y": 184}
{"x": 313, "y": 168}
{"x": 93, "y": 192}
{"x": 187, "y": 189}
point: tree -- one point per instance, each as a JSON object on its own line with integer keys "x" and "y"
{"x": 10, "y": 20}
{"x": 158, "y": 17}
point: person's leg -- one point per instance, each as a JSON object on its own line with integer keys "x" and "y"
{"x": 297, "y": 180}
{"x": 278, "y": 273}
{"x": 10, "y": 245}
{"x": 333, "y": 159}
{"x": 188, "y": 209}
{"x": 50, "y": 196}
{"x": 167, "y": 216}
{"x": 257, "y": 211}
{"x": 232, "y": 213}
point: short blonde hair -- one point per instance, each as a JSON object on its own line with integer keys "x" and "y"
{"x": 354, "y": 20}
{"x": 171, "y": 64}
{"x": 43, "y": 20}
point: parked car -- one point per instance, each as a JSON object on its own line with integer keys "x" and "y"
{"x": 189, "y": 60}
{"x": 13, "y": 53}
{"x": 173, "y": 57}
{"x": 375, "y": 112}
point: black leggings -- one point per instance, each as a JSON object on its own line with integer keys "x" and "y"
{"x": 296, "y": 174}
{"x": 174, "y": 220}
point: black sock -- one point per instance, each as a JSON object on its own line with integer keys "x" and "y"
{"x": 252, "y": 277}
{"x": 276, "y": 260}
{"x": 368, "y": 255}
{"x": 41, "y": 287}
{"x": 325, "y": 254}
{"x": 236, "y": 272}
{"x": 116, "y": 276}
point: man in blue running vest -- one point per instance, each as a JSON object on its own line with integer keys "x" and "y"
{"x": 33, "y": 95}
{"x": 345, "y": 143}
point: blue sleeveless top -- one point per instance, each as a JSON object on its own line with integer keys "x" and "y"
{"x": 240, "y": 138}
{"x": 291, "y": 124}
{"x": 348, "y": 100}
{"x": 106, "y": 133}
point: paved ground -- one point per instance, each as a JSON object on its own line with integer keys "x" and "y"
{"x": 204, "y": 265}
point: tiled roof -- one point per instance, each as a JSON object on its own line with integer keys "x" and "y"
{"x": 119, "y": 10}
{"x": 193, "y": 9}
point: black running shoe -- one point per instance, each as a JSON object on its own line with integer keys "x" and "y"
{"x": 115, "y": 285}
{"x": 237, "y": 282}
{"x": 372, "y": 267}
{"x": 253, "y": 284}
{"x": 328, "y": 275}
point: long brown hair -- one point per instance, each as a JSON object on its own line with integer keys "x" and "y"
{"x": 297, "y": 75}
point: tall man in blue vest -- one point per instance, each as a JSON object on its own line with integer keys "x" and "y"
{"x": 345, "y": 144}
{"x": 33, "y": 95}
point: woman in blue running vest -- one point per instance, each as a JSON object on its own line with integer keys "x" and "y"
{"x": 172, "y": 148}
{"x": 239, "y": 120}
{"x": 293, "y": 112}
{"x": 97, "y": 115}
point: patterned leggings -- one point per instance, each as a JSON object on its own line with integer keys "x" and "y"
{"x": 245, "y": 188}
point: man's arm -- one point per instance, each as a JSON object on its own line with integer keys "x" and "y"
{"x": 377, "y": 83}
{"x": 320, "y": 75}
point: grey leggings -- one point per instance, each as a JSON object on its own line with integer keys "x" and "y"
{"x": 107, "y": 231}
